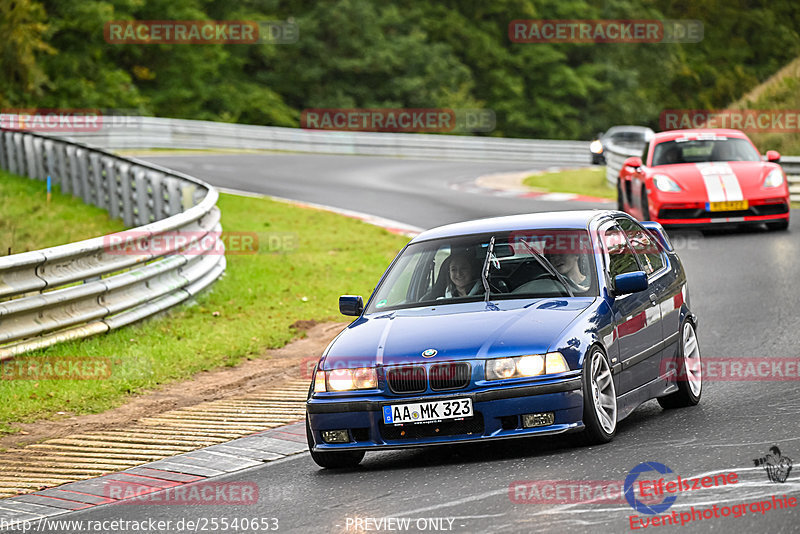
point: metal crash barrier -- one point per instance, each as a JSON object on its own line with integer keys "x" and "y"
{"x": 80, "y": 289}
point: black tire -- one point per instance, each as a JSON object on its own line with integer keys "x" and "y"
{"x": 620, "y": 200}
{"x": 332, "y": 460}
{"x": 778, "y": 226}
{"x": 595, "y": 432}
{"x": 687, "y": 394}
{"x": 645, "y": 203}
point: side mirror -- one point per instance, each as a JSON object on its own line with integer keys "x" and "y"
{"x": 630, "y": 283}
{"x": 773, "y": 155}
{"x": 634, "y": 162}
{"x": 351, "y": 305}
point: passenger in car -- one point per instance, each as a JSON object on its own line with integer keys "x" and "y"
{"x": 568, "y": 265}
{"x": 463, "y": 277}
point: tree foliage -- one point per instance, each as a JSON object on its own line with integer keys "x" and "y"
{"x": 411, "y": 53}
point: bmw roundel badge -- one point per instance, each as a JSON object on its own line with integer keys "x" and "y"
{"x": 429, "y": 353}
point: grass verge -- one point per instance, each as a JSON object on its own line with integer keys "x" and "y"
{"x": 588, "y": 181}
{"x": 251, "y": 309}
{"x": 28, "y": 222}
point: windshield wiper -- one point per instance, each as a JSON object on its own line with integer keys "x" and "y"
{"x": 544, "y": 262}
{"x": 490, "y": 258}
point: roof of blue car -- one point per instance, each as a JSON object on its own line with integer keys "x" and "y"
{"x": 529, "y": 221}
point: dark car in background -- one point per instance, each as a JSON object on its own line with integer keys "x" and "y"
{"x": 627, "y": 136}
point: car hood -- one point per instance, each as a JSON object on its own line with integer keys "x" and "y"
{"x": 454, "y": 331}
{"x": 717, "y": 181}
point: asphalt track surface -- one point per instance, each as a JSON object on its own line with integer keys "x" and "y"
{"x": 744, "y": 288}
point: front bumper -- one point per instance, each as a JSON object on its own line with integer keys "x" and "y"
{"x": 497, "y": 416}
{"x": 696, "y": 213}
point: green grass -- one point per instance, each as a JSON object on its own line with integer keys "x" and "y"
{"x": 589, "y": 181}
{"x": 28, "y": 222}
{"x": 249, "y": 310}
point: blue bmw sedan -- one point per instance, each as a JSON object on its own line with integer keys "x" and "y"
{"x": 505, "y": 328}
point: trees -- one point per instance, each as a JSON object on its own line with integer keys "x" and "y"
{"x": 22, "y": 27}
{"x": 360, "y": 53}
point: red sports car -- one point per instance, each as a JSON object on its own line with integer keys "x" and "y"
{"x": 702, "y": 177}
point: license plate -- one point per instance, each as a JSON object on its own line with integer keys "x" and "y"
{"x": 728, "y": 205}
{"x": 423, "y": 412}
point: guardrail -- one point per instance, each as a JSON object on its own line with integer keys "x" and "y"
{"x": 616, "y": 155}
{"x": 791, "y": 166}
{"x": 152, "y": 132}
{"x": 85, "y": 288}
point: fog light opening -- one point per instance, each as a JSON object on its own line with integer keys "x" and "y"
{"x": 530, "y": 420}
{"x": 509, "y": 422}
{"x": 335, "y": 436}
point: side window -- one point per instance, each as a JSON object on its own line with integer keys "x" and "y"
{"x": 647, "y": 248}
{"x": 620, "y": 258}
{"x": 644, "y": 153}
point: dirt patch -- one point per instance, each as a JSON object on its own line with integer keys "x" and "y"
{"x": 272, "y": 368}
{"x": 304, "y": 324}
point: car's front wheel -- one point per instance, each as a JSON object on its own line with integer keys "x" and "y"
{"x": 689, "y": 368}
{"x": 332, "y": 460}
{"x": 620, "y": 200}
{"x": 599, "y": 399}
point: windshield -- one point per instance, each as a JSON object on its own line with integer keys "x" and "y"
{"x": 700, "y": 150}
{"x": 627, "y": 137}
{"x": 524, "y": 264}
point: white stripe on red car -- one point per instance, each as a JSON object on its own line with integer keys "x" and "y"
{"x": 721, "y": 182}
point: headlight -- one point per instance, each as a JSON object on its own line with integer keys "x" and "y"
{"x": 350, "y": 379}
{"x": 500, "y": 368}
{"x": 596, "y": 147}
{"x": 528, "y": 365}
{"x": 774, "y": 178}
{"x": 665, "y": 183}
{"x": 365, "y": 378}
